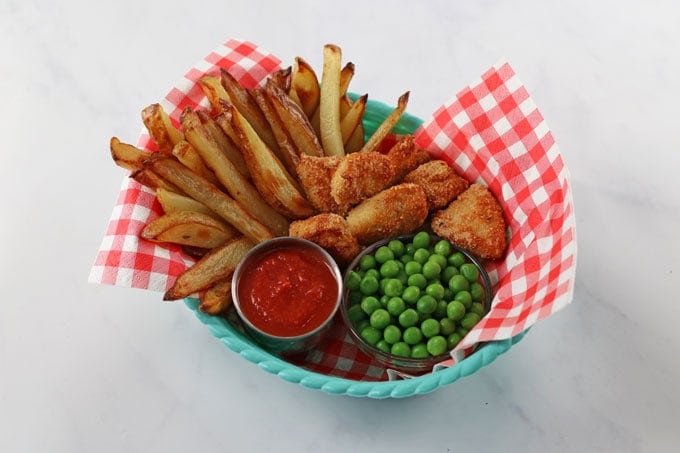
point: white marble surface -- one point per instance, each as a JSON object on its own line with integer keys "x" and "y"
{"x": 92, "y": 368}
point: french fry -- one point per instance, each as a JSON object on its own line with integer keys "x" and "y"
{"x": 346, "y": 75}
{"x": 275, "y": 184}
{"x": 203, "y": 191}
{"x": 214, "y": 91}
{"x": 236, "y": 184}
{"x": 387, "y": 125}
{"x": 244, "y": 102}
{"x": 174, "y": 202}
{"x": 186, "y": 154}
{"x": 329, "y": 102}
{"x": 283, "y": 78}
{"x": 216, "y": 299}
{"x": 213, "y": 267}
{"x": 224, "y": 142}
{"x": 152, "y": 180}
{"x": 352, "y": 119}
{"x": 295, "y": 121}
{"x": 356, "y": 140}
{"x": 189, "y": 228}
{"x": 160, "y": 128}
{"x": 127, "y": 156}
{"x": 288, "y": 153}
{"x": 305, "y": 84}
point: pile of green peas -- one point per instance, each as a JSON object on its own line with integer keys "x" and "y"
{"x": 414, "y": 298}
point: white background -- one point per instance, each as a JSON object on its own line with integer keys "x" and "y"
{"x": 98, "y": 368}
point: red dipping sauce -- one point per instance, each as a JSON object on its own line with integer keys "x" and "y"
{"x": 287, "y": 291}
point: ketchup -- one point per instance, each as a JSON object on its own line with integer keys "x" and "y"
{"x": 288, "y": 291}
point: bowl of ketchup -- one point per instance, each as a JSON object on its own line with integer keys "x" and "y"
{"x": 286, "y": 291}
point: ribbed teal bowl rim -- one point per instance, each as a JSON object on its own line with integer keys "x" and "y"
{"x": 249, "y": 350}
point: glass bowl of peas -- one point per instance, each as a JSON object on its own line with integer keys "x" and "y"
{"x": 409, "y": 300}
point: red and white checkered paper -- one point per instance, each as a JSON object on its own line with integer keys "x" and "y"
{"x": 491, "y": 132}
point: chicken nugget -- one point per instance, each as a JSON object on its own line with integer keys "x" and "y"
{"x": 473, "y": 221}
{"x": 404, "y": 157}
{"x": 441, "y": 184}
{"x": 398, "y": 210}
{"x": 315, "y": 175}
{"x": 359, "y": 176}
{"x": 331, "y": 232}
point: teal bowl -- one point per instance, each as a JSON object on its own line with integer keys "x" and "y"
{"x": 233, "y": 338}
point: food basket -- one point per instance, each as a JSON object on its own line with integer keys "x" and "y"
{"x": 534, "y": 280}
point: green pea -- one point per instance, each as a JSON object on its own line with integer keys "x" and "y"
{"x": 448, "y": 272}
{"x": 457, "y": 259}
{"x": 430, "y": 328}
{"x": 384, "y": 300}
{"x": 421, "y": 240}
{"x": 417, "y": 280}
{"x": 426, "y": 304}
{"x": 392, "y": 334}
{"x": 421, "y": 255}
{"x": 436, "y": 345}
{"x": 411, "y": 294}
{"x": 452, "y": 340}
{"x": 361, "y": 325}
{"x": 380, "y": 318}
{"x": 395, "y": 306}
{"x": 397, "y": 247}
{"x": 383, "y": 254}
{"x": 370, "y": 304}
{"x": 477, "y": 292}
{"x": 356, "y": 314}
{"x": 440, "y": 311}
{"x": 393, "y": 287}
{"x": 403, "y": 278}
{"x": 469, "y": 271}
{"x": 462, "y": 331}
{"x": 401, "y": 349}
{"x": 369, "y": 285}
{"x": 447, "y": 326}
{"x": 458, "y": 283}
{"x": 442, "y": 247}
{"x": 419, "y": 351}
{"x": 352, "y": 281}
{"x": 413, "y": 267}
{"x": 413, "y": 335}
{"x": 435, "y": 290}
{"x": 367, "y": 262}
{"x": 408, "y": 317}
{"x": 455, "y": 310}
{"x": 477, "y": 308}
{"x": 389, "y": 269}
{"x": 371, "y": 335}
{"x": 383, "y": 346}
{"x": 470, "y": 320}
{"x": 373, "y": 272}
{"x": 448, "y": 294}
{"x": 410, "y": 248}
{"x": 406, "y": 258}
{"x": 355, "y": 297}
{"x": 439, "y": 259}
{"x": 431, "y": 270}
{"x": 464, "y": 297}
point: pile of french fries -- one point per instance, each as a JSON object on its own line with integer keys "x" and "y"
{"x": 226, "y": 177}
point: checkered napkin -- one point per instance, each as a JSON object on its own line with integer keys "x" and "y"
{"x": 491, "y": 132}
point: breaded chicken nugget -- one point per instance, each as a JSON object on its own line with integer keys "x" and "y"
{"x": 359, "y": 176}
{"x": 473, "y": 221}
{"x": 440, "y": 182}
{"x": 401, "y": 209}
{"x": 331, "y": 232}
{"x": 315, "y": 175}
{"x": 404, "y": 157}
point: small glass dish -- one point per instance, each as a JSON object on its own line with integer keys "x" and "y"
{"x": 401, "y": 363}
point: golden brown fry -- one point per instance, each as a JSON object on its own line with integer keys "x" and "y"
{"x": 387, "y": 125}
{"x": 174, "y": 202}
{"x": 127, "y": 156}
{"x": 244, "y": 102}
{"x": 241, "y": 189}
{"x": 305, "y": 84}
{"x": 359, "y": 176}
{"x": 203, "y": 191}
{"x": 352, "y": 119}
{"x": 189, "y": 228}
{"x": 356, "y": 140}
{"x": 224, "y": 142}
{"x": 405, "y": 157}
{"x": 401, "y": 209}
{"x": 288, "y": 152}
{"x": 346, "y": 75}
{"x": 283, "y": 79}
{"x": 440, "y": 182}
{"x": 331, "y": 232}
{"x": 329, "y": 102}
{"x": 214, "y": 91}
{"x": 315, "y": 175}
{"x": 160, "y": 128}
{"x": 272, "y": 180}
{"x": 295, "y": 121}
{"x": 186, "y": 154}
{"x": 213, "y": 267}
{"x": 216, "y": 299}
{"x": 473, "y": 221}
{"x": 152, "y": 180}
